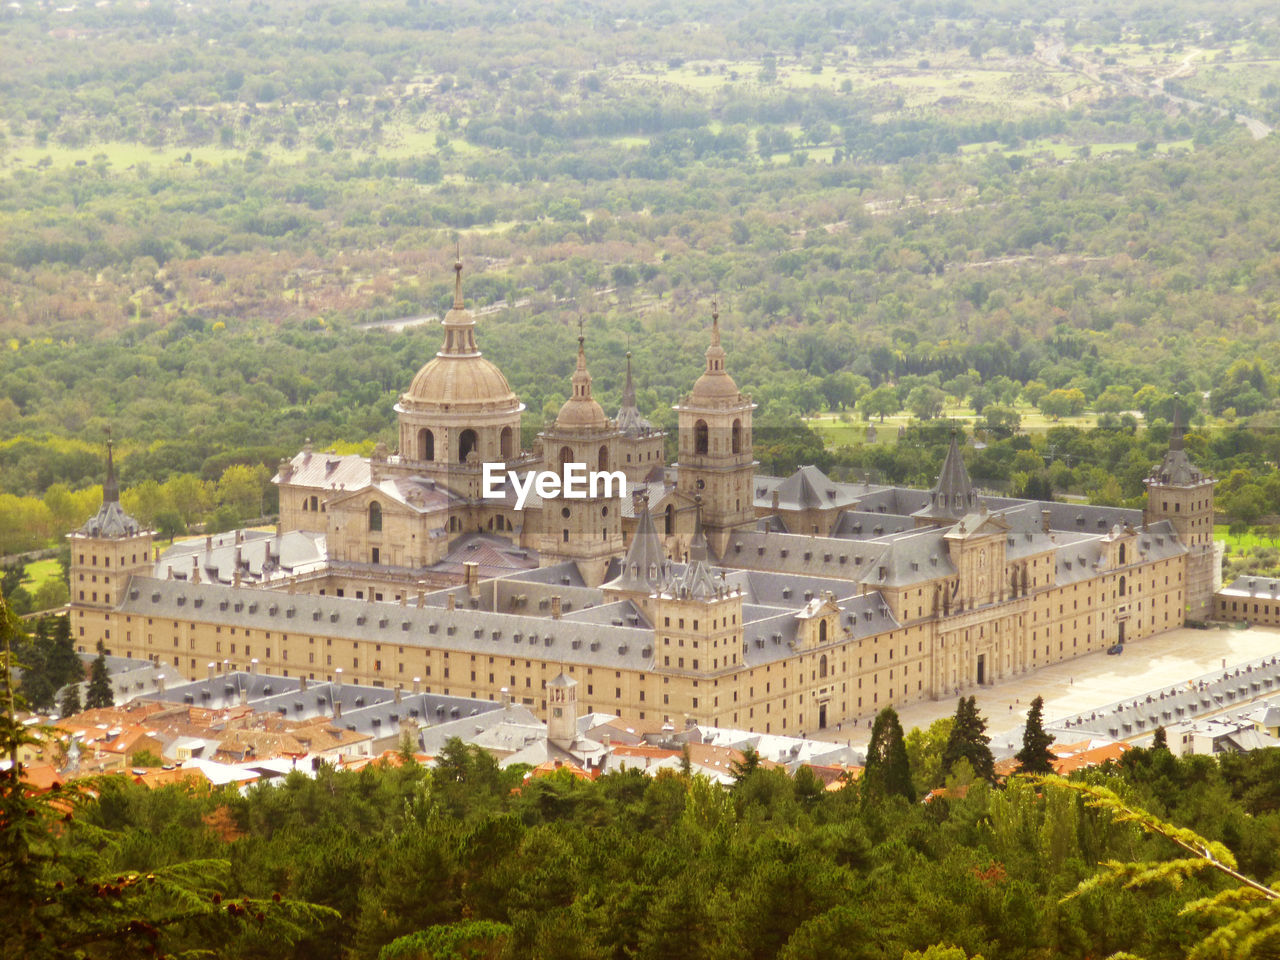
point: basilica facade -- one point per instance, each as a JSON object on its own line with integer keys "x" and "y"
{"x": 700, "y": 590}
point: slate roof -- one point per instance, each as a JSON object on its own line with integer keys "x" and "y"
{"x": 953, "y": 495}
{"x": 629, "y": 420}
{"x": 464, "y": 630}
{"x": 911, "y": 558}
{"x": 645, "y": 566}
{"x": 807, "y": 489}
{"x": 495, "y": 555}
{"x": 262, "y": 555}
{"x": 328, "y": 471}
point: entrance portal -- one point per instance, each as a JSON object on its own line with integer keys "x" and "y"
{"x": 1120, "y": 637}
{"x": 982, "y": 669}
{"x": 822, "y": 716}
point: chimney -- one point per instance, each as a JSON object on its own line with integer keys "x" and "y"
{"x": 160, "y": 682}
{"x": 506, "y": 697}
{"x": 195, "y": 569}
{"x": 422, "y": 599}
{"x": 471, "y": 571}
{"x": 337, "y": 709}
{"x": 417, "y": 685}
{"x": 208, "y": 544}
{"x": 775, "y": 500}
{"x": 226, "y": 668}
{"x": 337, "y": 682}
{"x": 638, "y": 497}
{"x": 168, "y": 573}
{"x": 253, "y": 666}
{"x": 1044, "y": 520}
{"x": 239, "y": 540}
{"x": 607, "y": 740}
{"x": 244, "y": 697}
{"x": 555, "y": 607}
{"x": 450, "y": 602}
{"x": 399, "y": 693}
{"x": 213, "y": 669}
{"x": 285, "y": 469}
{"x": 302, "y": 684}
{"x": 404, "y": 599}
{"x": 370, "y": 596}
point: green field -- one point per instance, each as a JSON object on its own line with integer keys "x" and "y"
{"x": 38, "y": 572}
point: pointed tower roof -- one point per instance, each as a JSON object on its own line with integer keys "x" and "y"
{"x": 629, "y": 420}
{"x": 110, "y": 522}
{"x": 458, "y": 375}
{"x": 645, "y": 566}
{"x": 715, "y": 386}
{"x": 1176, "y": 469}
{"x": 581, "y": 411}
{"x": 953, "y": 495}
{"x": 699, "y": 549}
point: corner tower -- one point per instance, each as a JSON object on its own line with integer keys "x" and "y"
{"x": 110, "y": 548}
{"x": 587, "y": 530}
{"x": 1181, "y": 493}
{"x": 715, "y": 460}
{"x": 459, "y": 411}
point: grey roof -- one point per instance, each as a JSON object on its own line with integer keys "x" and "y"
{"x": 1254, "y": 587}
{"x": 953, "y": 495}
{"x": 911, "y": 558}
{"x": 807, "y": 489}
{"x": 697, "y": 582}
{"x": 329, "y": 471}
{"x": 863, "y": 525}
{"x": 1176, "y": 470}
{"x": 645, "y": 566}
{"x": 261, "y": 555}
{"x": 796, "y": 554}
{"x": 463, "y": 629}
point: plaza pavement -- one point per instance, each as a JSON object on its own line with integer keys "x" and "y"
{"x": 1089, "y": 682}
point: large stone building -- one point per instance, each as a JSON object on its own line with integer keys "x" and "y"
{"x": 702, "y": 591}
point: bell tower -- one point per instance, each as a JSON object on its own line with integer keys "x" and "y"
{"x": 715, "y": 459}
{"x": 586, "y": 530}
{"x": 1181, "y": 493}
{"x": 106, "y": 551}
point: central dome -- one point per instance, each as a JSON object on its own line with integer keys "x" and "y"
{"x": 458, "y": 377}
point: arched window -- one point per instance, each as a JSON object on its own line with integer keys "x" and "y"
{"x": 1122, "y": 554}
{"x": 504, "y": 444}
{"x": 426, "y": 444}
{"x": 603, "y": 458}
{"x": 1122, "y": 586}
{"x": 314, "y": 505}
{"x": 700, "y": 443}
{"x": 736, "y": 437}
{"x": 375, "y": 517}
{"x": 822, "y": 638}
{"x": 566, "y": 456}
{"x": 467, "y": 444}
{"x": 822, "y": 661}
{"x": 669, "y": 520}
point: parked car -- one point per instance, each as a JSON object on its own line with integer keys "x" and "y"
{"x": 1117, "y": 648}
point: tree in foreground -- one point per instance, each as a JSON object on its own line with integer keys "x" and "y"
{"x": 1244, "y": 916}
{"x": 70, "y": 704}
{"x": 99, "y": 693}
{"x": 1034, "y": 757}
{"x": 65, "y": 893}
{"x": 888, "y": 771}
{"x": 1161, "y": 739}
{"x": 969, "y": 741}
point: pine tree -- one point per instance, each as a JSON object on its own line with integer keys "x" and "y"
{"x": 888, "y": 771}
{"x": 1034, "y": 757}
{"x": 70, "y": 702}
{"x": 1161, "y": 739}
{"x": 968, "y": 740}
{"x": 99, "y": 693}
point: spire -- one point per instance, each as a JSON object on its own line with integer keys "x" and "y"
{"x": 699, "y": 549}
{"x": 457, "y": 278}
{"x": 459, "y": 325}
{"x": 110, "y": 487}
{"x": 1175, "y": 438}
{"x": 581, "y": 378}
{"x": 715, "y": 353}
{"x": 645, "y": 566}
{"x": 952, "y": 496}
{"x": 628, "y": 388}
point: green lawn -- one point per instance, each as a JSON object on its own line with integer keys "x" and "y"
{"x": 1256, "y": 538}
{"x": 38, "y": 572}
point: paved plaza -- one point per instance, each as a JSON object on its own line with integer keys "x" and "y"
{"x": 1092, "y": 681}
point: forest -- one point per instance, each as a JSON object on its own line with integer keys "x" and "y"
{"x": 1009, "y": 215}
{"x": 462, "y": 859}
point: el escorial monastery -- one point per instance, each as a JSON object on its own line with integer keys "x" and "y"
{"x": 702, "y": 591}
